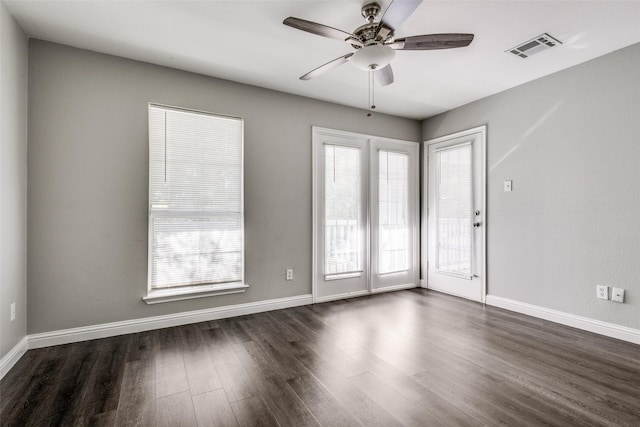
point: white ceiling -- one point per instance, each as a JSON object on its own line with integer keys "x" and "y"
{"x": 245, "y": 41}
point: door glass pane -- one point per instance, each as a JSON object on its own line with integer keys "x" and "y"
{"x": 454, "y": 210}
{"x": 393, "y": 211}
{"x": 342, "y": 210}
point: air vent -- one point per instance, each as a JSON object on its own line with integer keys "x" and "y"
{"x": 542, "y": 42}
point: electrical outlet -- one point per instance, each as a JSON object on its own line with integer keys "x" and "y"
{"x": 507, "y": 185}
{"x": 602, "y": 292}
{"x": 13, "y": 311}
{"x": 289, "y": 273}
{"x": 617, "y": 294}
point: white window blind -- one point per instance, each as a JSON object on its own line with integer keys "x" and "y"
{"x": 454, "y": 214}
{"x": 196, "y": 219}
{"x": 342, "y": 210}
{"x": 393, "y": 211}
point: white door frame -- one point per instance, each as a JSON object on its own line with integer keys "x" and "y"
{"x": 348, "y": 140}
{"x": 316, "y": 132}
{"x": 481, "y": 131}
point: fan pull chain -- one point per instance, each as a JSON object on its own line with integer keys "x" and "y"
{"x": 371, "y": 79}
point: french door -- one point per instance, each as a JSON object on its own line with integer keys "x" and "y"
{"x": 365, "y": 214}
{"x": 455, "y": 214}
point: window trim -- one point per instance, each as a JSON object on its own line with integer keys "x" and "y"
{"x": 178, "y": 293}
{"x": 191, "y": 292}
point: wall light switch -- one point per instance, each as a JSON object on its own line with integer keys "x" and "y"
{"x": 617, "y": 295}
{"x": 507, "y": 185}
{"x": 13, "y": 311}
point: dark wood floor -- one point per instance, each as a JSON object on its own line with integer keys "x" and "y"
{"x": 405, "y": 358}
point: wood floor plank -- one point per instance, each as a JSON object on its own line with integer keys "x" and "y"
{"x": 32, "y": 403}
{"x": 548, "y": 382}
{"x": 105, "y": 382}
{"x": 233, "y": 330}
{"x": 274, "y": 346}
{"x": 201, "y": 373}
{"x": 253, "y": 412}
{"x": 104, "y": 419}
{"x": 365, "y": 410}
{"x": 398, "y": 406}
{"x": 283, "y": 402}
{"x": 324, "y": 407}
{"x": 409, "y": 358}
{"x": 72, "y": 395}
{"x": 137, "y": 405}
{"x": 233, "y": 375}
{"x": 175, "y": 411}
{"x": 171, "y": 374}
{"x": 323, "y": 369}
{"x": 493, "y": 392}
{"x": 213, "y": 409}
{"x": 317, "y": 350}
{"x": 140, "y": 346}
{"x": 18, "y": 378}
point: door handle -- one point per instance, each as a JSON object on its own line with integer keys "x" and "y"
{"x": 476, "y": 224}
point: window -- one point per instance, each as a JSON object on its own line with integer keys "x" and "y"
{"x": 196, "y": 218}
{"x": 393, "y": 211}
{"x": 454, "y": 210}
{"x": 342, "y": 211}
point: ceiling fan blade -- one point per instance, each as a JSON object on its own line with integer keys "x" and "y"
{"x": 326, "y": 67}
{"x": 384, "y": 75}
{"x": 433, "y": 41}
{"x": 315, "y": 28}
{"x": 397, "y": 13}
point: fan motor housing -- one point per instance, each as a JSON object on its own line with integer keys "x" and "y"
{"x": 366, "y": 33}
{"x": 370, "y": 11}
{"x": 372, "y": 32}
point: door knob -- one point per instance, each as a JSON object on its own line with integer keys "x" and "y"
{"x": 476, "y": 224}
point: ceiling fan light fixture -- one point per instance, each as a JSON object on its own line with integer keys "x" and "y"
{"x": 373, "y": 57}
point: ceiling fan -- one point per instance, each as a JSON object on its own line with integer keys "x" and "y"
{"x": 374, "y": 41}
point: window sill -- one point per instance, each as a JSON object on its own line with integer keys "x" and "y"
{"x": 156, "y": 297}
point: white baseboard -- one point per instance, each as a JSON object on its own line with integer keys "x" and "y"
{"x": 346, "y": 295}
{"x": 104, "y": 330}
{"x": 11, "y": 358}
{"x": 394, "y": 288}
{"x": 357, "y": 294}
{"x": 596, "y": 326}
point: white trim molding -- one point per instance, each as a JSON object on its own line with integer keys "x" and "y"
{"x": 345, "y": 295}
{"x": 104, "y": 330}
{"x": 169, "y": 295}
{"x": 370, "y": 282}
{"x": 586, "y": 324}
{"x": 11, "y": 358}
{"x": 394, "y": 288}
{"x": 480, "y": 132}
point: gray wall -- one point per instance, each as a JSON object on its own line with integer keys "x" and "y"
{"x": 88, "y": 178}
{"x": 571, "y": 144}
{"x": 13, "y": 180}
